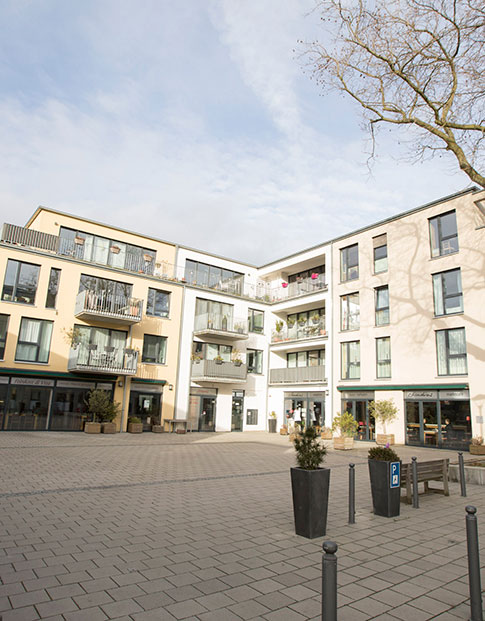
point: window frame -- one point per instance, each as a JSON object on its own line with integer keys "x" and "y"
{"x": 344, "y": 299}
{"x": 43, "y": 324}
{"x": 383, "y": 361}
{"x": 345, "y": 373}
{"x": 346, "y": 273}
{"x": 443, "y": 295}
{"x": 448, "y": 356}
{"x": 385, "y": 269}
{"x": 381, "y": 310}
{"x": 436, "y": 231}
{"x": 3, "y": 339}
{"x": 154, "y": 303}
{"x": 15, "y": 286}
{"x": 160, "y": 340}
{"x": 251, "y": 322}
{"x": 259, "y": 353}
{"x": 54, "y": 270}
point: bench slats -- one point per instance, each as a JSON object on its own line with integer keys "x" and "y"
{"x": 435, "y": 470}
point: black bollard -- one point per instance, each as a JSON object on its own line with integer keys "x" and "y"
{"x": 329, "y": 581}
{"x": 461, "y": 468}
{"x": 415, "y": 484}
{"x": 474, "y": 580}
{"x": 351, "y": 493}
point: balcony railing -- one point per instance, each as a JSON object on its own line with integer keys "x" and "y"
{"x": 221, "y": 325}
{"x": 310, "y": 330}
{"x": 304, "y": 286}
{"x": 212, "y": 371}
{"x": 297, "y": 375}
{"x": 105, "y": 305}
{"x": 109, "y": 360}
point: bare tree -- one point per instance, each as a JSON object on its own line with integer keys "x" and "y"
{"x": 414, "y": 64}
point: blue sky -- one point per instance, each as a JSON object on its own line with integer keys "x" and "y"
{"x": 193, "y": 121}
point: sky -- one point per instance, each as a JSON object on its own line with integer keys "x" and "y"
{"x": 196, "y": 122}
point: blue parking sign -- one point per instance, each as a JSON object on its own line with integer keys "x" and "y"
{"x": 395, "y": 474}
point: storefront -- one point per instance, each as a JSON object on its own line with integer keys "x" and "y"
{"x": 237, "y": 413}
{"x": 438, "y": 418}
{"x": 45, "y": 404}
{"x": 202, "y": 409}
{"x": 301, "y": 404}
{"x": 146, "y": 404}
{"x": 357, "y": 403}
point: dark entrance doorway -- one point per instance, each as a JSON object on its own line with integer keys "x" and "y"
{"x": 357, "y": 403}
{"x": 237, "y": 410}
{"x": 146, "y": 406}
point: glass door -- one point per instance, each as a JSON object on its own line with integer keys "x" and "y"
{"x": 146, "y": 406}
{"x": 431, "y": 432}
{"x": 27, "y": 408}
{"x": 237, "y": 412}
{"x": 207, "y": 414}
{"x": 317, "y": 412}
{"x": 413, "y": 424}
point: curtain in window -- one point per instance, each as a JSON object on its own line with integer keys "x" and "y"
{"x": 457, "y": 349}
{"x": 441, "y": 351}
{"x": 29, "y": 332}
{"x": 118, "y": 340}
{"x": 354, "y": 360}
{"x": 384, "y": 357}
{"x": 438, "y": 295}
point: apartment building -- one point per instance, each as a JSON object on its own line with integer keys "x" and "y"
{"x": 393, "y": 311}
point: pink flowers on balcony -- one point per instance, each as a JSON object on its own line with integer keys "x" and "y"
{"x": 284, "y": 285}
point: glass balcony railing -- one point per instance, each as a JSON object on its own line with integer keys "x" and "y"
{"x": 300, "y": 332}
{"x": 224, "y": 325}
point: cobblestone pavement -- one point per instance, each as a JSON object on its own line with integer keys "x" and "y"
{"x": 200, "y": 526}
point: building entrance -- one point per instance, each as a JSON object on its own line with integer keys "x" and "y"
{"x": 237, "y": 410}
{"x": 202, "y": 410}
{"x": 305, "y": 405}
{"x": 146, "y": 406}
{"x": 357, "y": 403}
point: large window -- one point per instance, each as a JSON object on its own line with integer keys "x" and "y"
{"x": 34, "y": 340}
{"x": 211, "y": 351}
{"x": 447, "y": 292}
{"x": 52, "y": 288}
{"x": 451, "y": 350}
{"x": 106, "y": 251}
{"x": 256, "y": 321}
{"x": 380, "y": 253}
{"x": 212, "y": 276}
{"x": 312, "y": 358}
{"x": 443, "y": 234}
{"x": 350, "y": 356}
{"x": 383, "y": 357}
{"x": 349, "y": 263}
{"x": 20, "y": 284}
{"x": 158, "y": 303}
{"x": 254, "y": 359}
{"x": 3, "y": 334}
{"x": 154, "y": 349}
{"x": 109, "y": 289}
{"x": 100, "y": 343}
{"x": 306, "y": 324}
{"x": 350, "y": 312}
{"x": 382, "y": 305}
{"x": 213, "y": 315}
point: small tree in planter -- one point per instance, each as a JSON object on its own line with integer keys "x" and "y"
{"x": 476, "y": 446}
{"x": 346, "y": 426}
{"x": 310, "y": 484}
{"x": 103, "y": 410}
{"x": 384, "y": 412}
{"x": 135, "y": 425}
{"x": 385, "y": 500}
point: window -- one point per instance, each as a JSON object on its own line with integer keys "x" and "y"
{"x": 154, "y": 349}
{"x": 3, "y": 334}
{"x": 350, "y": 312}
{"x": 350, "y": 355}
{"x": 99, "y": 344}
{"x": 382, "y": 305}
{"x": 256, "y": 320}
{"x": 443, "y": 234}
{"x": 34, "y": 340}
{"x": 447, "y": 292}
{"x": 255, "y": 361}
{"x": 451, "y": 350}
{"x": 380, "y": 253}
{"x": 349, "y": 263}
{"x": 20, "y": 284}
{"x": 383, "y": 357}
{"x": 158, "y": 303}
{"x": 312, "y": 358}
{"x": 210, "y": 351}
{"x": 108, "y": 289}
{"x": 213, "y": 315}
{"x": 252, "y": 417}
{"x": 52, "y": 288}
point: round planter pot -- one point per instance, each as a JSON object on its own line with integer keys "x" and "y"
{"x": 310, "y": 501}
{"x": 385, "y": 501}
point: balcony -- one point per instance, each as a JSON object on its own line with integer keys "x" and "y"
{"x": 302, "y": 287}
{"x": 298, "y": 375}
{"x": 228, "y": 328}
{"x": 212, "y": 371}
{"x": 307, "y": 332}
{"x": 107, "y": 360}
{"x": 108, "y": 308}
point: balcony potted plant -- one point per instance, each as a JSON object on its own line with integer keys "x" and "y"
{"x": 476, "y": 446}
{"x": 302, "y": 321}
{"x": 310, "y": 484}
{"x": 103, "y": 411}
{"x": 135, "y": 425}
{"x": 114, "y": 249}
{"x": 236, "y": 357}
{"x": 196, "y": 358}
{"x": 79, "y": 240}
{"x": 385, "y": 499}
{"x": 315, "y": 317}
{"x": 224, "y": 323}
{"x": 218, "y": 360}
{"x": 346, "y": 426}
{"x": 383, "y": 411}
{"x": 278, "y": 328}
{"x": 290, "y": 322}
{"x": 272, "y": 422}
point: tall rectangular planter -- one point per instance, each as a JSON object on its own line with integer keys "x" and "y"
{"x": 385, "y": 501}
{"x": 272, "y": 425}
{"x": 310, "y": 501}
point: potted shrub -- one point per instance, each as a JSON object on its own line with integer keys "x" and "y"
{"x": 135, "y": 425}
{"x": 103, "y": 410}
{"x": 310, "y": 484}
{"x": 218, "y": 360}
{"x": 346, "y": 426}
{"x": 236, "y": 357}
{"x": 384, "y": 412}
{"x": 326, "y": 433}
{"x": 315, "y": 317}
{"x": 196, "y": 358}
{"x": 385, "y": 500}
{"x": 272, "y": 422}
{"x": 476, "y": 446}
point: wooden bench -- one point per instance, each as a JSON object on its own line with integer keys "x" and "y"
{"x": 436, "y": 470}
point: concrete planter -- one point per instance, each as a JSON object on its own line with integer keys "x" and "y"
{"x": 475, "y": 475}
{"x": 157, "y": 428}
{"x": 385, "y": 438}
{"x": 477, "y": 449}
{"x": 135, "y": 427}
{"x": 343, "y": 443}
{"x": 385, "y": 501}
{"x": 108, "y": 428}
{"x": 92, "y": 427}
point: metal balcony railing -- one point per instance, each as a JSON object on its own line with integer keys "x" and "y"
{"x": 297, "y": 375}
{"x": 109, "y": 360}
{"x": 108, "y": 305}
{"x": 210, "y": 370}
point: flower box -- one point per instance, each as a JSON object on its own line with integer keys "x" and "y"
{"x": 343, "y": 443}
{"x": 385, "y": 438}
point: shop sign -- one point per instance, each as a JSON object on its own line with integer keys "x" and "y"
{"x": 421, "y": 395}
{"x": 146, "y": 388}
{"x": 204, "y": 391}
{"x": 106, "y": 386}
{"x": 3, "y": 380}
{"x": 358, "y": 394}
{"x": 68, "y": 384}
{"x": 454, "y": 395}
{"x": 31, "y": 381}
{"x": 295, "y": 395}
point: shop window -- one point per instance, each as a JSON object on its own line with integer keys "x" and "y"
{"x": 443, "y": 234}
{"x": 451, "y": 351}
{"x": 154, "y": 349}
{"x": 34, "y": 340}
{"x": 53, "y": 288}
{"x": 255, "y": 361}
{"x": 447, "y": 293}
{"x": 20, "y": 284}
{"x": 350, "y": 358}
{"x": 3, "y": 334}
{"x": 158, "y": 303}
{"x": 256, "y": 321}
{"x": 349, "y": 263}
{"x": 380, "y": 254}
{"x": 350, "y": 312}
{"x": 251, "y": 417}
{"x": 382, "y": 305}
{"x": 383, "y": 357}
